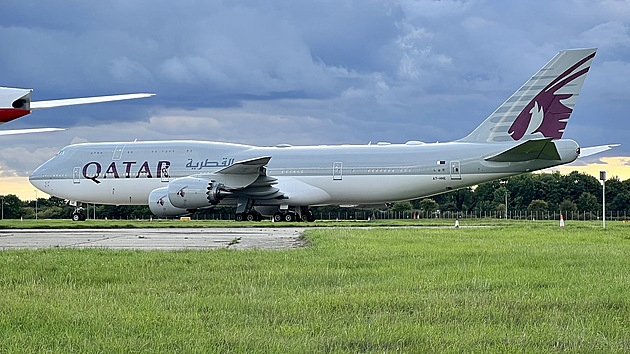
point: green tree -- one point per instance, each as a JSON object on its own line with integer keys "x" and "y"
{"x": 522, "y": 190}
{"x": 51, "y": 212}
{"x": 552, "y": 189}
{"x": 484, "y": 198}
{"x": 457, "y": 200}
{"x": 588, "y": 202}
{"x": 429, "y": 205}
{"x": 27, "y": 212}
{"x": 576, "y": 183}
{"x": 621, "y": 202}
{"x": 12, "y": 206}
{"x": 568, "y": 206}
{"x": 538, "y": 205}
{"x": 402, "y": 206}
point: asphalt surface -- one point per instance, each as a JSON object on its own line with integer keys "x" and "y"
{"x": 153, "y": 239}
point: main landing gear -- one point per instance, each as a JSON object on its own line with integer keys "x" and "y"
{"x": 245, "y": 212}
{"x": 248, "y": 216}
{"x": 290, "y": 216}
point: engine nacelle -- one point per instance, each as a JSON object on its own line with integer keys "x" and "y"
{"x": 193, "y": 192}
{"x": 161, "y": 206}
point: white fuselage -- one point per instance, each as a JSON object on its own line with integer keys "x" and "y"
{"x": 126, "y": 173}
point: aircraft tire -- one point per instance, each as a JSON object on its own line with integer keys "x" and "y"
{"x": 308, "y": 217}
{"x": 251, "y": 217}
{"x": 289, "y": 217}
{"x": 277, "y": 217}
{"x": 77, "y": 217}
{"x": 239, "y": 217}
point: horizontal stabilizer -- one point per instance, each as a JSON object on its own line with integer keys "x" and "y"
{"x": 543, "y": 149}
{"x": 588, "y": 151}
{"x": 28, "y": 131}
{"x": 87, "y": 100}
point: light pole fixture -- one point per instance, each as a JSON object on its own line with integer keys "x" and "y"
{"x": 602, "y": 177}
{"x": 36, "y": 204}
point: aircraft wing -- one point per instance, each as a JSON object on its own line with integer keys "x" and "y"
{"x": 16, "y": 103}
{"x": 245, "y": 167}
{"x": 28, "y": 131}
{"x": 86, "y": 100}
{"x": 248, "y": 178}
{"x": 529, "y": 150}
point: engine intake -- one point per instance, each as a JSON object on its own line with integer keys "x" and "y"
{"x": 216, "y": 192}
{"x": 194, "y": 192}
{"x": 160, "y": 205}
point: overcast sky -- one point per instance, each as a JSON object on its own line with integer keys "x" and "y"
{"x": 301, "y": 72}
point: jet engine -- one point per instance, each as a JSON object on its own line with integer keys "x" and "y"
{"x": 193, "y": 192}
{"x": 161, "y": 206}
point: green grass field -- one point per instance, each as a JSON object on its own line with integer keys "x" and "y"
{"x": 519, "y": 286}
{"x": 117, "y": 224}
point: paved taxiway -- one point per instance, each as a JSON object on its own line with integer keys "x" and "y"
{"x": 153, "y": 239}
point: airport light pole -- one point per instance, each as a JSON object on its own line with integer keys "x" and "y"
{"x": 36, "y": 204}
{"x": 602, "y": 177}
{"x": 3, "y": 208}
{"x": 506, "y": 208}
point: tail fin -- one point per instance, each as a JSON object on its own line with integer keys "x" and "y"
{"x": 14, "y": 103}
{"x": 543, "y": 105}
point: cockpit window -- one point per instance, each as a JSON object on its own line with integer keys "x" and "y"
{"x": 61, "y": 152}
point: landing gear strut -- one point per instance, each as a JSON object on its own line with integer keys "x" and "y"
{"x": 78, "y": 215}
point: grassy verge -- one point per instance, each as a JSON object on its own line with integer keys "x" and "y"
{"x": 113, "y": 224}
{"x": 520, "y": 287}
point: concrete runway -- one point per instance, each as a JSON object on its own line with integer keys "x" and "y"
{"x": 153, "y": 239}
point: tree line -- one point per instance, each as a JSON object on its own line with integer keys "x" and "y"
{"x": 533, "y": 192}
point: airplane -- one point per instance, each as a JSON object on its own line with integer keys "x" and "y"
{"x": 16, "y": 103}
{"x": 177, "y": 177}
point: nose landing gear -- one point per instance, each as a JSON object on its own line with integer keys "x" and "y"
{"x": 78, "y": 214}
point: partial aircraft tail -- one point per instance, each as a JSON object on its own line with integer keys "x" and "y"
{"x": 14, "y": 103}
{"x": 543, "y": 105}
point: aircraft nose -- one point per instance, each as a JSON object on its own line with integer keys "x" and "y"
{"x": 40, "y": 176}
{"x": 36, "y": 178}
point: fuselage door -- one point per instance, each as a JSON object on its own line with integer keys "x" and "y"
{"x": 456, "y": 172}
{"x": 337, "y": 171}
{"x": 118, "y": 152}
{"x": 76, "y": 175}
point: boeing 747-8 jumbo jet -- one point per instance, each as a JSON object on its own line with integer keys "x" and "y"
{"x": 16, "y": 102}
{"x": 177, "y": 177}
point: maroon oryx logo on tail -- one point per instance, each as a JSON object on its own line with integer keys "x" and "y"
{"x": 545, "y": 113}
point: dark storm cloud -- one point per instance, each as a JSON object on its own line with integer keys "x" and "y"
{"x": 304, "y": 71}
